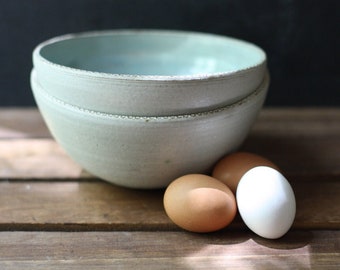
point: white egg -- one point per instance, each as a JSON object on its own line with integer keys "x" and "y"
{"x": 266, "y": 202}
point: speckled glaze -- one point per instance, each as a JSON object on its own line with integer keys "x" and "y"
{"x": 142, "y": 151}
{"x": 148, "y": 72}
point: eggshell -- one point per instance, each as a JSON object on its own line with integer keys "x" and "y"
{"x": 231, "y": 168}
{"x": 199, "y": 203}
{"x": 266, "y": 202}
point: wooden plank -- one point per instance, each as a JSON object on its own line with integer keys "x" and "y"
{"x": 128, "y": 229}
{"x": 300, "y": 141}
{"x": 79, "y": 206}
{"x": 312, "y": 155}
{"x": 168, "y": 250}
{"x": 303, "y": 141}
{"x": 36, "y": 158}
{"x": 43, "y": 158}
{"x": 298, "y": 121}
{"x": 22, "y": 123}
{"x": 297, "y": 140}
{"x": 97, "y": 205}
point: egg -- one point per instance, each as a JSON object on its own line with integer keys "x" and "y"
{"x": 266, "y": 202}
{"x": 230, "y": 169}
{"x": 199, "y": 203}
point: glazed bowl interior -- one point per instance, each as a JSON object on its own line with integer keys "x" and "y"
{"x": 148, "y": 72}
{"x": 153, "y": 53}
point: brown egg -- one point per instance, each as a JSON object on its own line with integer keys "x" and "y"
{"x": 199, "y": 203}
{"x": 230, "y": 169}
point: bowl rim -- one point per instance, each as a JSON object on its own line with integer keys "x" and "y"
{"x": 262, "y": 88}
{"x": 96, "y": 74}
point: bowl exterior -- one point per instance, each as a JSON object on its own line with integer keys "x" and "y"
{"x": 147, "y": 98}
{"x": 138, "y": 95}
{"x": 147, "y": 152}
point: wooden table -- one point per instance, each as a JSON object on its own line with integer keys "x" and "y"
{"x": 55, "y": 215}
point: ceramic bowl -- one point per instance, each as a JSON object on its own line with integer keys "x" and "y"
{"x": 148, "y": 72}
{"x": 147, "y": 152}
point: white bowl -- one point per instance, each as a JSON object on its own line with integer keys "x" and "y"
{"x": 148, "y": 72}
{"x": 147, "y": 152}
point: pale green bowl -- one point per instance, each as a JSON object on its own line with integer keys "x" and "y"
{"x": 147, "y": 152}
{"x": 148, "y": 72}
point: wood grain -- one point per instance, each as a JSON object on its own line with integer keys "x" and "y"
{"x": 100, "y": 206}
{"x": 299, "y": 141}
{"x": 168, "y": 250}
{"x": 54, "y": 215}
{"x": 22, "y": 123}
{"x": 63, "y": 201}
{"x": 36, "y": 158}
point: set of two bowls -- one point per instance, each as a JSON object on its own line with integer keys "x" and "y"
{"x": 139, "y": 108}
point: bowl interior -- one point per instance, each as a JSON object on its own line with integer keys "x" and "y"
{"x": 152, "y": 53}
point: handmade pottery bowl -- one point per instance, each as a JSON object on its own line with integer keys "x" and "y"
{"x": 148, "y": 72}
{"x": 147, "y": 152}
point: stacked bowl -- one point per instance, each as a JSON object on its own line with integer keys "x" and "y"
{"x": 140, "y": 108}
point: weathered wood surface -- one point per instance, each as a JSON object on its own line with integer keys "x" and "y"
{"x": 96, "y": 205}
{"x": 168, "y": 250}
{"x": 300, "y": 141}
{"x": 54, "y": 215}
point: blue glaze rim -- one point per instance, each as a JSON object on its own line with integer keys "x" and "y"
{"x": 95, "y": 74}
